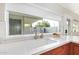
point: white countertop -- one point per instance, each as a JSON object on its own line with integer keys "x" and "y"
{"x": 32, "y": 46}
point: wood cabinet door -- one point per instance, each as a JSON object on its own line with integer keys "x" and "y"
{"x": 71, "y": 48}
{"x": 66, "y": 49}
{"x": 76, "y": 49}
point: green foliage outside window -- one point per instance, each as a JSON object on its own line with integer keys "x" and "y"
{"x": 43, "y": 24}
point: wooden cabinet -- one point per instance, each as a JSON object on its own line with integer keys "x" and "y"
{"x": 54, "y": 51}
{"x": 67, "y": 49}
{"x": 76, "y": 49}
{"x": 71, "y": 47}
{"x": 63, "y": 50}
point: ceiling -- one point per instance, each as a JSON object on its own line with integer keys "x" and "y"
{"x": 74, "y": 7}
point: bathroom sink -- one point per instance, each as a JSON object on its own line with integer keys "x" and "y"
{"x": 39, "y": 42}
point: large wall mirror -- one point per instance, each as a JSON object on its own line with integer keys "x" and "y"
{"x": 25, "y": 24}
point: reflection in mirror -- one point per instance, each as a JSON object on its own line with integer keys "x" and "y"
{"x": 25, "y": 24}
{"x": 75, "y": 26}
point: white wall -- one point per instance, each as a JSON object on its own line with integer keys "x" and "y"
{"x": 2, "y": 22}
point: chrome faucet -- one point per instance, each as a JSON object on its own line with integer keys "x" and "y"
{"x": 35, "y": 33}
